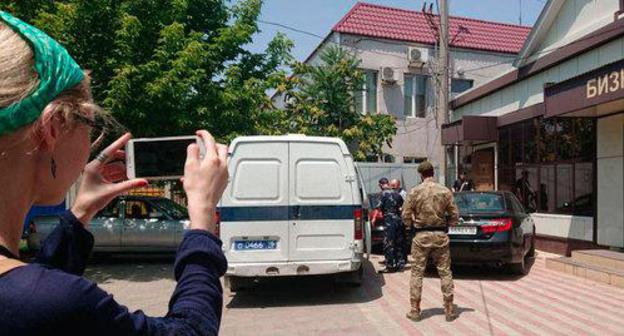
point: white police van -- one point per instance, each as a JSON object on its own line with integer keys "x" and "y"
{"x": 293, "y": 206}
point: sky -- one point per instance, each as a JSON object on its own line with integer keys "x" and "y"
{"x": 319, "y": 16}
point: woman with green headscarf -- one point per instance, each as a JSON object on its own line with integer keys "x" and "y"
{"x": 48, "y": 127}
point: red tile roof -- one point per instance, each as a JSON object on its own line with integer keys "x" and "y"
{"x": 406, "y": 25}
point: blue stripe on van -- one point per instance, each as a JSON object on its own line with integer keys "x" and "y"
{"x": 283, "y": 213}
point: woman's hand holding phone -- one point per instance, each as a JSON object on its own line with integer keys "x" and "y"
{"x": 100, "y": 181}
{"x": 204, "y": 181}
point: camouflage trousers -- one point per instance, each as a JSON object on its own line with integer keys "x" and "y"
{"x": 394, "y": 242}
{"x": 436, "y": 245}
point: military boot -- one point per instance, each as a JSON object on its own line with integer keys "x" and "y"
{"x": 449, "y": 310}
{"x": 414, "y": 314}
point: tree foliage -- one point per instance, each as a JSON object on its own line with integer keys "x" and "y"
{"x": 320, "y": 100}
{"x": 168, "y": 67}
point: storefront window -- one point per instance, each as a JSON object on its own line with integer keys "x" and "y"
{"x": 583, "y": 188}
{"x": 546, "y": 197}
{"x": 565, "y": 139}
{"x": 565, "y": 183}
{"x": 529, "y": 136}
{"x": 586, "y": 139}
{"x": 516, "y": 143}
{"x": 549, "y": 164}
{"x": 547, "y": 140}
{"x": 503, "y": 146}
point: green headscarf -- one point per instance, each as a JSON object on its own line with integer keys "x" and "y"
{"x": 57, "y": 72}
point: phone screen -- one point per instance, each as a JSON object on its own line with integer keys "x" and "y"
{"x": 163, "y": 158}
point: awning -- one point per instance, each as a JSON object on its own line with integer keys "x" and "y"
{"x": 593, "y": 94}
{"x": 470, "y": 129}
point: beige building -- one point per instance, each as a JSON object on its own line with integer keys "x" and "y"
{"x": 556, "y": 119}
{"x": 398, "y": 50}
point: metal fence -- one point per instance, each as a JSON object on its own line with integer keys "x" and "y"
{"x": 371, "y": 172}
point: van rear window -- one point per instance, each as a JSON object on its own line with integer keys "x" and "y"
{"x": 257, "y": 180}
{"x": 318, "y": 179}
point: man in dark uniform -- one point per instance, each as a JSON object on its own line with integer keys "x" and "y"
{"x": 463, "y": 183}
{"x": 524, "y": 191}
{"x": 390, "y": 205}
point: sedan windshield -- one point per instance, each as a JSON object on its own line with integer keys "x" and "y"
{"x": 172, "y": 208}
{"x": 479, "y": 202}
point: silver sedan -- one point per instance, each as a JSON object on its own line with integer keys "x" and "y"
{"x": 128, "y": 224}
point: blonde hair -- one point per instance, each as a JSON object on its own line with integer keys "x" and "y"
{"x": 17, "y": 73}
{"x": 18, "y": 79}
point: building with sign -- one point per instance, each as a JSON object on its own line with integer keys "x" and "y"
{"x": 551, "y": 130}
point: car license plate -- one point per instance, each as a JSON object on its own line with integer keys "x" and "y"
{"x": 241, "y": 245}
{"x": 462, "y": 230}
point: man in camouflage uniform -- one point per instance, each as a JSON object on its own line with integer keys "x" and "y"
{"x": 390, "y": 205}
{"x": 426, "y": 209}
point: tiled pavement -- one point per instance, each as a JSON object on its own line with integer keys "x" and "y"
{"x": 543, "y": 303}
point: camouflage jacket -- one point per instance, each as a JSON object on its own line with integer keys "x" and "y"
{"x": 429, "y": 204}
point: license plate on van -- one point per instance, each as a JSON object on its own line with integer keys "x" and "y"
{"x": 242, "y": 245}
{"x": 462, "y": 230}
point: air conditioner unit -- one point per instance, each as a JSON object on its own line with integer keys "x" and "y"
{"x": 415, "y": 57}
{"x": 388, "y": 75}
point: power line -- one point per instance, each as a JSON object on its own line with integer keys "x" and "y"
{"x": 403, "y": 44}
{"x": 332, "y": 42}
{"x": 291, "y": 28}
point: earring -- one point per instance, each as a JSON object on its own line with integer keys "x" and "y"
{"x": 53, "y": 167}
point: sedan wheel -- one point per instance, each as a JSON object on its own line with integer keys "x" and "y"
{"x": 519, "y": 268}
{"x": 531, "y": 252}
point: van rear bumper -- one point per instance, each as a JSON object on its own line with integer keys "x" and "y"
{"x": 292, "y": 268}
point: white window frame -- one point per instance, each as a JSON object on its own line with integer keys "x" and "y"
{"x": 412, "y": 77}
{"x": 364, "y": 93}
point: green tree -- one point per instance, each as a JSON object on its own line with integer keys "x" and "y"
{"x": 168, "y": 67}
{"x": 320, "y": 101}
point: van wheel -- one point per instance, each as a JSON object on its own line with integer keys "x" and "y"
{"x": 353, "y": 279}
{"x": 235, "y": 284}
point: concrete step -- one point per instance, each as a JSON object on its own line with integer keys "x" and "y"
{"x": 604, "y": 258}
{"x": 606, "y": 275}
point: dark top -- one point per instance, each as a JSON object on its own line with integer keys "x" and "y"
{"x": 50, "y": 297}
{"x": 525, "y": 193}
{"x": 390, "y": 203}
{"x": 465, "y": 185}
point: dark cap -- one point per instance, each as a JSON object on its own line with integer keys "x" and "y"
{"x": 383, "y": 180}
{"x": 424, "y": 167}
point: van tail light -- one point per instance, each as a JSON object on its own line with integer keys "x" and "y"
{"x": 357, "y": 224}
{"x": 496, "y": 225}
{"x": 32, "y": 227}
{"x": 217, "y": 231}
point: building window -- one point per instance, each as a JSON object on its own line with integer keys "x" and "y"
{"x": 459, "y": 85}
{"x": 549, "y": 164}
{"x": 415, "y": 94}
{"x": 388, "y": 158}
{"x": 366, "y": 100}
{"x": 413, "y": 159}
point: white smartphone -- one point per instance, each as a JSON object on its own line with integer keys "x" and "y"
{"x": 159, "y": 158}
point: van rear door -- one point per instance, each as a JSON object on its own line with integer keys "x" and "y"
{"x": 321, "y": 202}
{"x": 254, "y": 207}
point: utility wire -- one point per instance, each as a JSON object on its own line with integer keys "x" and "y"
{"x": 403, "y": 44}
